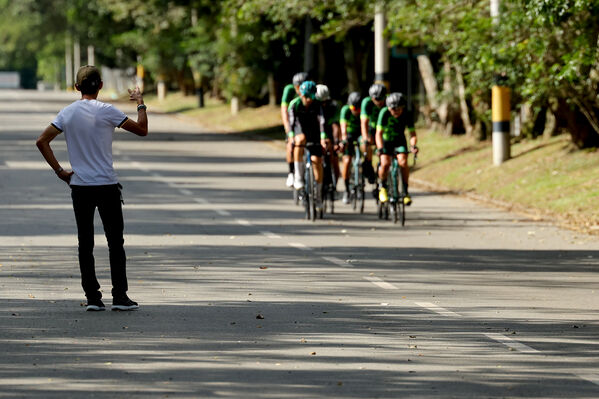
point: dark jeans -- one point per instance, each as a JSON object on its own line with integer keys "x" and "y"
{"x": 108, "y": 201}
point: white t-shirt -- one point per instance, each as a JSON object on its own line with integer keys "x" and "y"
{"x": 88, "y": 126}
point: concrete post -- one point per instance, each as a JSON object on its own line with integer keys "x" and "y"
{"x": 76, "y": 56}
{"x": 500, "y": 108}
{"x": 68, "y": 59}
{"x": 381, "y": 48}
{"x": 91, "y": 55}
{"x": 501, "y": 124}
{"x": 139, "y": 75}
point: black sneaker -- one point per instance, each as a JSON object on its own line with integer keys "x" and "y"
{"x": 124, "y": 303}
{"x": 95, "y": 305}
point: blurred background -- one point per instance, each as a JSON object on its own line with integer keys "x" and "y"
{"x": 446, "y": 55}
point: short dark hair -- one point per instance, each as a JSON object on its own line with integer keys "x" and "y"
{"x": 88, "y": 79}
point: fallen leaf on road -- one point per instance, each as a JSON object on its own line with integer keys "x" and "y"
{"x": 313, "y": 353}
{"x": 260, "y": 316}
{"x": 263, "y": 267}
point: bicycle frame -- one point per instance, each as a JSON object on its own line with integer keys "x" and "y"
{"x": 357, "y": 188}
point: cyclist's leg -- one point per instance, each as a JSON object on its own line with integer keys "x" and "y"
{"x": 298, "y": 160}
{"x": 289, "y": 159}
{"x": 367, "y": 168}
{"x": 385, "y": 159}
{"x": 402, "y": 160}
{"x": 316, "y": 158}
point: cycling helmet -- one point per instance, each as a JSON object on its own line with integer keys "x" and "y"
{"x": 322, "y": 93}
{"x": 308, "y": 89}
{"x": 395, "y": 100}
{"x": 354, "y": 99}
{"x": 377, "y": 91}
{"x": 299, "y": 78}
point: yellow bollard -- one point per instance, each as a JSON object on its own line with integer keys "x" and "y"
{"x": 500, "y": 104}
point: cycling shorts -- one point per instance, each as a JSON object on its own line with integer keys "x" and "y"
{"x": 350, "y": 147}
{"x": 397, "y": 146}
{"x": 315, "y": 149}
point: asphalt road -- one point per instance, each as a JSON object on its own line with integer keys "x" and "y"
{"x": 242, "y": 298}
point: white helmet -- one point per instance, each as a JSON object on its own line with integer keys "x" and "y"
{"x": 322, "y": 93}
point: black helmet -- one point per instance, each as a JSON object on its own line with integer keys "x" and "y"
{"x": 299, "y": 78}
{"x": 377, "y": 91}
{"x": 395, "y": 100}
{"x": 354, "y": 99}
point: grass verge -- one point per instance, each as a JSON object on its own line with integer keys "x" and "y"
{"x": 547, "y": 179}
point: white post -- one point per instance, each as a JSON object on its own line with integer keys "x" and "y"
{"x": 500, "y": 109}
{"x": 76, "y": 56}
{"x": 68, "y": 59}
{"x": 91, "y": 56}
{"x": 381, "y": 49}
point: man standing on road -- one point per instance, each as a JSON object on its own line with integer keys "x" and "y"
{"x": 88, "y": 125}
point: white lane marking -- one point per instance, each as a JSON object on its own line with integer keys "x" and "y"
{"x": 243, "y": 222}
{"x": 222, "y": 212}
{"x": 379, "y": 282}
{"x": 511, "y": 343}
{"x": 594, "y": 378}
{"x": 299, "y": 245}
{"x": 137, "y": 165}
{"x": 185, "y": 191}
{"x": 201, "y": 201}
{"x": 437, "y": 309}
{"x": 336, "y": 261}
{"x": 270, "y": 235}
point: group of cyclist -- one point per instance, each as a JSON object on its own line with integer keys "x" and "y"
{"x": 313, "y": 121}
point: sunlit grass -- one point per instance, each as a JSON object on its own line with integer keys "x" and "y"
{"x": 544, "y": 176}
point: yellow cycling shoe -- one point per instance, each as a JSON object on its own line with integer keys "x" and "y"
{"x": 407, "y": 200}
{"x": 383, "y": 197}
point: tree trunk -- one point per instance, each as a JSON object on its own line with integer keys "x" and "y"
{"x": 429, "y": 101}
{"x": 444, "y": 107}
{"x": 349, "y": 54}
{"x": 272, "y": 90}
{"x": 428, "y": 79}
{"x": 464, "y": 111}
{"x": 578, "y": 124}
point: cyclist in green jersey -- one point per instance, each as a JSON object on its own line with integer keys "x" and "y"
{"x": 330, "y": 110}
{"x": 369, "y": 112}
{"x": 306, "y": 121}
{"x": 290, "y": 92}
{"x": 391, "y": 141}
{"x": 350, "y": 132}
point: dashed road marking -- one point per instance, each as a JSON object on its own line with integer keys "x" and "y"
{"x": 437, "y": 309}
{"x": 594, "y": 378}
{"x": 243, "y": 222}
{"x": 185, "y": 191}
{"x": 299, "y": 245}
{"x": 222, "y": 212}
{"x": 511, "y": 343}
{"x": 379, "y": 282}
{"x": 270, "y": 235}
{"x": 336, "y": 261}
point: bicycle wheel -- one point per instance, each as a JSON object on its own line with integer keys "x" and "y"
{"x": 401, "y": 207}
{"x": 296, "y": 196}
{"x": 361, "y": 194}
{"x": 312, "y": 194}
